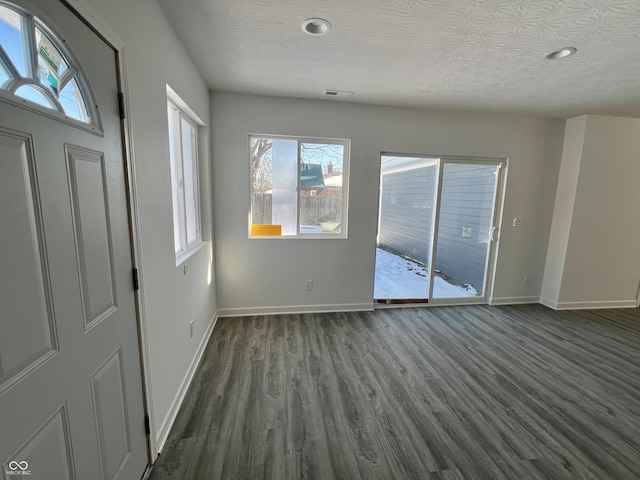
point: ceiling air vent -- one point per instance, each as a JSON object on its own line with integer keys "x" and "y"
{"x": 337, "y": 93}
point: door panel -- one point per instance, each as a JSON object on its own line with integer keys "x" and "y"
{"x": 91, "y": 225}
{"x": 71, "y": 402}
{"x": 23, "y": 270}
{"x": 465, "y": 220}
{"x": 407, "y": 197}
{"x": 49, "y": 446}
{"x": 110, "y": 410}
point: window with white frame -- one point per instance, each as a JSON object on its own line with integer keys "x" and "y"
{"x": 183, "y": 146}
{"x": 299, "y": 186}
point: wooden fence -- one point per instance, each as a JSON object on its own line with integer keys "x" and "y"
{"x": 313, "y": 209}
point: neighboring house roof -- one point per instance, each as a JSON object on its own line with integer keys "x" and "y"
{"x": 334, "y": 180}
{"x": 311, "y": 177}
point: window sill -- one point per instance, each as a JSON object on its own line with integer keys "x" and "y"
{"x": 184, "y": 256}
{"x": 300, "y": 237}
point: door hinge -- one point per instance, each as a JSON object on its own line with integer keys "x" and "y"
{"x": 147, "y": 425}
{"x": 136, "y": 279}
{"x": 121, "y": 104}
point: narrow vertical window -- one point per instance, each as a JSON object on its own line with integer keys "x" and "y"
{"x": 183, "y": 152}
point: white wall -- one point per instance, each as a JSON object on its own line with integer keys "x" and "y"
{"x": 171, "y": 298}
{"x": 597, "y": 210}
{"x": 563, "y": 208}
{"x": 261, "y": 275}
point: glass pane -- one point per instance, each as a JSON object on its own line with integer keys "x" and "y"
{"x": 261, "y": 180}
{"x": 3, "y": 76}
{"x": 64, "y": 66}
{"x": 12, "y": 39}
{"x": 407, "y": 190}
{"x": 190, "y": 172}
{"x": 34, "y": 95}
{"x": 73, "y": 103}
{"x": 49, "y": 62}
{"x": 321, "y": 180}
{"x": 176, "y": 179}
{"x": 466, "y": 214}
{"x": 284, "y": 207}
{"x": 274, "y": 183}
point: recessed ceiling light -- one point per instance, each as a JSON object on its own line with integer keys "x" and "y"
{"x": 562, "y": 53}
{"x": 316, "y": 26}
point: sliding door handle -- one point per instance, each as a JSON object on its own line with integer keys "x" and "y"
{"x": 493, "y": 234}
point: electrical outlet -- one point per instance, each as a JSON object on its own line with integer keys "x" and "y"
{"x": 191, "y": 328}
{"x": 527, "y": 279}
{"x": 517, "y": 222}
{"x": 308, "y": 285}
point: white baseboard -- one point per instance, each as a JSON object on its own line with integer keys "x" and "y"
{"x": 513, "y": 300}
{"x": 589, "y": 305}
{"x": 547, "y": 302}
{"x": 244, "y": 312}
{"x": 167, "y": 423}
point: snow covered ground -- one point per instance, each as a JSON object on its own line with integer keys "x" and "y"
{"x": 397, "y": 277}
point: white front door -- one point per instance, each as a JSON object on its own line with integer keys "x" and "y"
{"x": 71, "y": 402}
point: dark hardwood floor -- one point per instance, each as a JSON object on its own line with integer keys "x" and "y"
{"x": 479, "y": 392}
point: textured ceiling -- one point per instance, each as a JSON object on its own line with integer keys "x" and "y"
{"x": 468, "y": 55}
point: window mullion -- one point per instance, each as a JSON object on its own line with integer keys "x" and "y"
{"x": 298, "y": 189}
{"x": 8, "y": 64}
{"x": 66, "y": 78}
{"x": 30, "y": 47}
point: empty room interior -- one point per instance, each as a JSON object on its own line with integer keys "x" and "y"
{"x": 293, "y": 239}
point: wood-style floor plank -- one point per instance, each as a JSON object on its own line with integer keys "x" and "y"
{"x": 448, "y": 393}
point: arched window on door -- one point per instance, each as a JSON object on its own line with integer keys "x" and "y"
{"x": 36, "y": 67}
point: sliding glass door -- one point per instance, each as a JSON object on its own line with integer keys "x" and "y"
{"x": 436, "y": 227}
